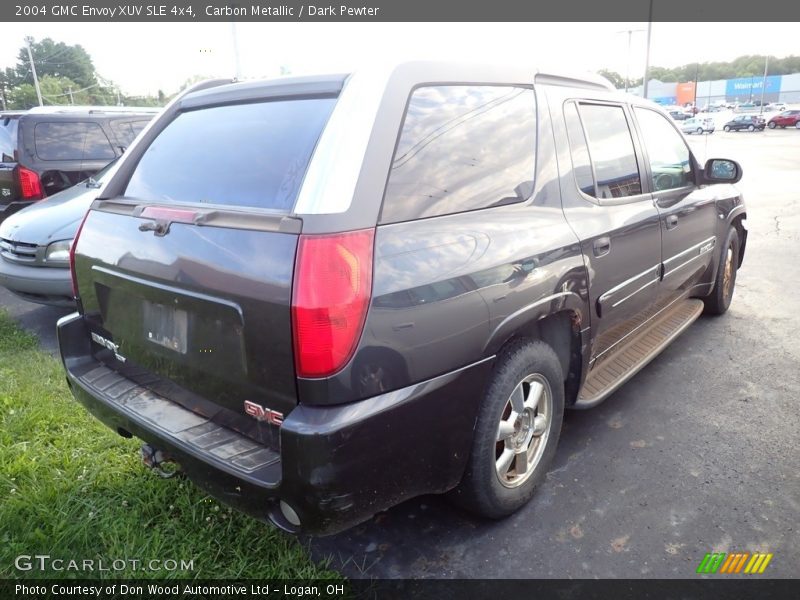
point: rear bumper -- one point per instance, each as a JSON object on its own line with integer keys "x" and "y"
{"x": 45, "y": 285}
{"x": 337, "y": 465}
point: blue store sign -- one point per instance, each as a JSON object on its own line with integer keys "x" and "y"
{"x": 751, "y": 86}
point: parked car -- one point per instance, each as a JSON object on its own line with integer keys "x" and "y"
{"x": 748, "y": 122}
{"x": 789, "y": 118}
{"x": 35, "y": 243}
{"x": 698, "y": 125}
{"x": 46, "y": 150}
{"x": 679, "y": 115}
{"x": 777, "y": 106}
{"x": 746, "y": 107}
{"x": 390, "y": 287}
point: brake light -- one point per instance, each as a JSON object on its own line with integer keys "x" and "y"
{"x": 29, "y": 184}
{"x": 72, "y": 256}
{"x": 331, "y": 294}
{"x": 173, "y": 215}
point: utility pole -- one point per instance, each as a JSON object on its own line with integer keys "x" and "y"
{"x": 630, "y": 33}
{"x": 647, "y": 55}
{"x": 235, "y": 40}
{"x": 28, "y": 42}
{"x": 71, "y": 99}
{"x": 764, "y": 84}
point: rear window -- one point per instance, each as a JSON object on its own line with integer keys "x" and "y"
{"x": 252, "y": 155}
{"x": 71, "y": 141}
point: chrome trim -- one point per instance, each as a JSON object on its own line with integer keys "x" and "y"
{"x": 649, "y": 271}
{"x": 632, "y": 294}
{"x": 702, "y": 248}
{"x": 335, "y": 166}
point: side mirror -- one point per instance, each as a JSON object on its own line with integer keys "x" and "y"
{"x": 722, "y": 170}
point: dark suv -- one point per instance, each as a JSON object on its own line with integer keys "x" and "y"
{"x": 45, "y": 150}
{"x": 376, "y": 286}
{"x": 748, "y": 122}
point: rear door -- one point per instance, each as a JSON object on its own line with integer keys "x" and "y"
{"x": 688, "y": 216}
{"x": 185, "y": 278}
{"x": 614, "y": 217}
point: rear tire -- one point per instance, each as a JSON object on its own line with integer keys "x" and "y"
{"x": 700, "y": 131}
{"x": 719, "y": 300}
{"x": 751, "y": 128}
{"x": 516, "y": 432}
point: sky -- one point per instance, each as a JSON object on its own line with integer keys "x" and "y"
{"x": 142, "y": 58}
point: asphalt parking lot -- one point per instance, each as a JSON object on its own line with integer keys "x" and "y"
{"x": 697, "y": 453}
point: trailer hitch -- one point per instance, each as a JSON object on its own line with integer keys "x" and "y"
{"x": 157, "y": 460}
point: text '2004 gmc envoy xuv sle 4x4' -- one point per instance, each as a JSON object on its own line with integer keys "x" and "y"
{"x": 322, "y": 296}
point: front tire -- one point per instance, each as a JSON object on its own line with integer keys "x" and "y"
{"x": 719, "y": 300}
{"x": 751, "y": 128}
{"x": 699, "y": 131}
{"x": 727, "y": 128}
{"x": 516, "y": 433}
{"x": 771, "y": 125}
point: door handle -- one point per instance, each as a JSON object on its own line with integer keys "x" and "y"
{"x": 602, "y": 246}
{"x": 671, "y": 221}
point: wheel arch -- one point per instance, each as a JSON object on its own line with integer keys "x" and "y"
{"x": 737, "y": 221}
{"x": 561, "y": 330}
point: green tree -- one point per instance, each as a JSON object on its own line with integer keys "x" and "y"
{"x": 56, "y": 59}
{"x": 55, "y": 90}
{"x": 617, "y": 80}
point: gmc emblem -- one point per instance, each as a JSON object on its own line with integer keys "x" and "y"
{"x": 263, "y": 414}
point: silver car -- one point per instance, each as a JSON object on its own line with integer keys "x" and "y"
{"x": 698, "y": 125}
{"x": 35, "y": 243}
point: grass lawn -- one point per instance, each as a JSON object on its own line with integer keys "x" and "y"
{"x": 73, "y": 489}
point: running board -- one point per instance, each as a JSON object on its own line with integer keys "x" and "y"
{"x": 622, "y": 364}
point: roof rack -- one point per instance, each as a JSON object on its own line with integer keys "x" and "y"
{"x": 93, "y": 109}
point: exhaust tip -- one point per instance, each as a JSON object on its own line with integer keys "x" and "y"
{"x": 289, "y": 514}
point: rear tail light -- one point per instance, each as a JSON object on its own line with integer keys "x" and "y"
{"x": 332, "y": 290}
{"x": 72, "y": 256}
{"x": 30, "y": 184}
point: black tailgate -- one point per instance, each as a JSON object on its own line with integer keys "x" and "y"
{"x": 205, "y": 308}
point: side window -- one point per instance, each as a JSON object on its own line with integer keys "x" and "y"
{"x": 462, "y": 148}
{"x": 670, "y": 160}
{"x": 126, "y": 131}
{"x": 581, "y": 166}
{"x": 611, "y": 150}
{"x": 71, "y": 141}
{"x": 8, "y": 143}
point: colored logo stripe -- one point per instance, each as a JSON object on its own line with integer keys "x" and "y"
{"x": 758, "y": 563}
{"x": 723, "y": 562}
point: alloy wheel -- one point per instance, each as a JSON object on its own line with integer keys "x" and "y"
{"x": 727, "y": 274}
{"x": 523, "y": 430}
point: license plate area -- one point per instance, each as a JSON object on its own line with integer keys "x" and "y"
{"x": 165, "y": 326}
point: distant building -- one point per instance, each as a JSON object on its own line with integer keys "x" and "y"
{"x": 779, "y": 88}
